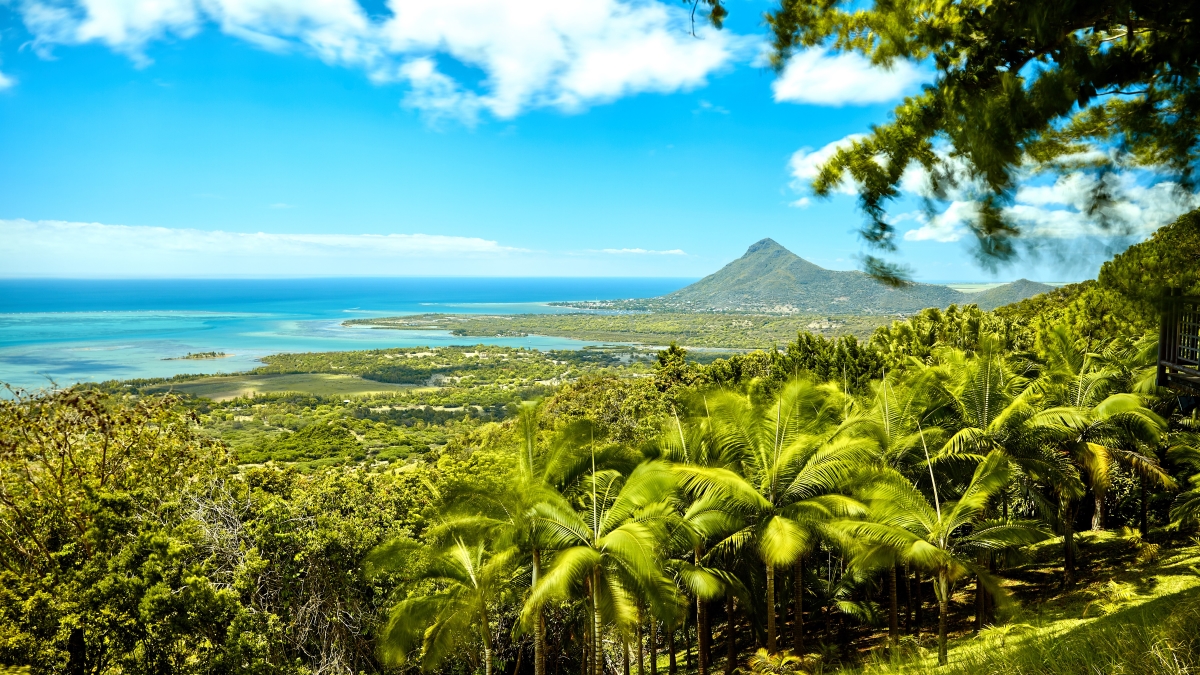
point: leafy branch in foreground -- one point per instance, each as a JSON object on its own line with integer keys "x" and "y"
{"x": 1021, "y": 87}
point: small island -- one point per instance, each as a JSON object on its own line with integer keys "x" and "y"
{"x": 199, "y": 356}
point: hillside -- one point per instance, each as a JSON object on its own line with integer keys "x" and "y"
{"x": 1124, "y": 297}
{"x": 1006, "y": 294}
{"x": 770, "y": 278}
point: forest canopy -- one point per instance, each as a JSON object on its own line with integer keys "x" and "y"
{"x": 832, "y": 504}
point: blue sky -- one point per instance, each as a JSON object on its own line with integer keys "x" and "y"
{"x": 446, "y": 137}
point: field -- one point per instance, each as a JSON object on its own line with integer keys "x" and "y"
{"x": 689, "y": 329}
{"x": 226, "y": 387}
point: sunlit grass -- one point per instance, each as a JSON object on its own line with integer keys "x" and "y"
{"x": 1129, "y": 618}
{"x": 224, "y": 387}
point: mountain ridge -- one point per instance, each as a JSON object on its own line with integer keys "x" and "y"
{"x": 771, "y": 278}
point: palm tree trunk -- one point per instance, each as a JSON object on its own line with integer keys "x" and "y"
{"x": 770, "y": 602}
{"x": 893, "y": 610}
{"x": 486, "y": 634}
{"x": 980, "y": 604}
{"x": 672, "y": 668}
{"x": 919, "y": 606}
{"x": 641, "y": 660}
{"x": 703, "y": 636}
{"x": 653, "y": 646}
{"x": 539, "y": 623}
{"x": 798, "y": 622}
{"x": 625, "y": 657}
{"x": 908, "y": 600}
{"x": 1068, "y": 546}
{"x": 1098, "y": 513}
{"x": 1143, "y": 522}
{"x": 943, "y": 598}
{"x": 730, "y": 635}
{"x": 687, "y": 646}
{"x": 597, "y": 644}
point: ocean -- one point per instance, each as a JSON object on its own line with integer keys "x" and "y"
{"x": 66, "y": 331}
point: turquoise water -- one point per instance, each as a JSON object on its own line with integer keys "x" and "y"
{"x": 75, "y": 331}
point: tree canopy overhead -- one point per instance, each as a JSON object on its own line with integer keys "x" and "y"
{"x": 1021, "y": 87}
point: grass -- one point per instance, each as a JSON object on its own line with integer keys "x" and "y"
{"x": 1132, "y": 614}
{"x": 225, "y": 387}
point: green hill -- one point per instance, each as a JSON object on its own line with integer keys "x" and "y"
{"x": 1125, "y": 296}
{"x": 1006, "y": 294}
{"x": 769, "y": 278}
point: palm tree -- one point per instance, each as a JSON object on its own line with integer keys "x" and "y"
{"x": 703, "y": 520}
{"x": 938, "y": 538}
{"x": 468, "y": 581}
{"x": 543, "y": 471}
{"x": 1093, "y": 425}
{"x": 605, "y": 538}
{"x": 789, "y": 477}
{"x": 1185, "y": 451}
{"x": 899, "y": 419}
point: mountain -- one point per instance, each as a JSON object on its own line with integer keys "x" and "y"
{"x": 770, "y": 278}
{"x": 1006, "y": 294}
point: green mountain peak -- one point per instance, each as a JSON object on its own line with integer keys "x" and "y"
{"x": 770, "y": 278}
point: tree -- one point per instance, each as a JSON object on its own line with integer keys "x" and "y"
{"x": 789, "y": 479}
{"x": 467, "y": 581}
{"x": 606, "y": 547}
{"x": 507, "y": 517}
{"x": 941, "y": 538}
{"x": 1020, "y": 86}
{"x": 1091, "y": 426}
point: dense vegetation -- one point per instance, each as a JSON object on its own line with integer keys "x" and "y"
{"x": 836, "y": 504}
{"x": 691, "y": 329}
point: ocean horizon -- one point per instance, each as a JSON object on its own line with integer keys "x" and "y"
{"x": 64, "y": 331}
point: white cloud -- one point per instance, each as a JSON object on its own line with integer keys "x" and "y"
{"x": 947, "y": 226}
{"x": 806, "y": 163}
{"x": 6, "y": 82}
{"x": 51, "y": 248}
{"x": 1060, "y": 210}
{"x": 1141, "y": 200}
{"x": 282, "y": 205}
{"x": 38, "y": 247}
{"x": 818, "y": 77}
{"x": 533, "y": 53}
{"x": 641, "y": 251}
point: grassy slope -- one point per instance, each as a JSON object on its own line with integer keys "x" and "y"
{"x": 1123, "y": 617}
{"x": 225, "y": 387}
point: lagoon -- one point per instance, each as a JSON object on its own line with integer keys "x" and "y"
{"x": 67, "y": 331}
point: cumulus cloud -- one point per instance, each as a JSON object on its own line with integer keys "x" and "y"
{"x": 37, "y": 247}
{"x": 534, "y": 53}
{"x": 818, "y": 77}
{"x": 50, "y": 248}
{"x": 806, "y": 163}
{"x": 1140, "y": 204}
{"x": 641, "y": 251}
{"x": 1059, "y": 208}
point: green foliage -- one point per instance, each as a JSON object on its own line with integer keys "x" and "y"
{"x": 466, "y": 527}
{"x": 1020, "y": 87}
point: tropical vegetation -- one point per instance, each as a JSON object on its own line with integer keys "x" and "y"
{"x": 963, "y": 489}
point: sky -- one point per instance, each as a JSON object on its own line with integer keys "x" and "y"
{"x": 229, "y": 138}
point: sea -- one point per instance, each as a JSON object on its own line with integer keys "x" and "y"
{"x": 57, "y": 332}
